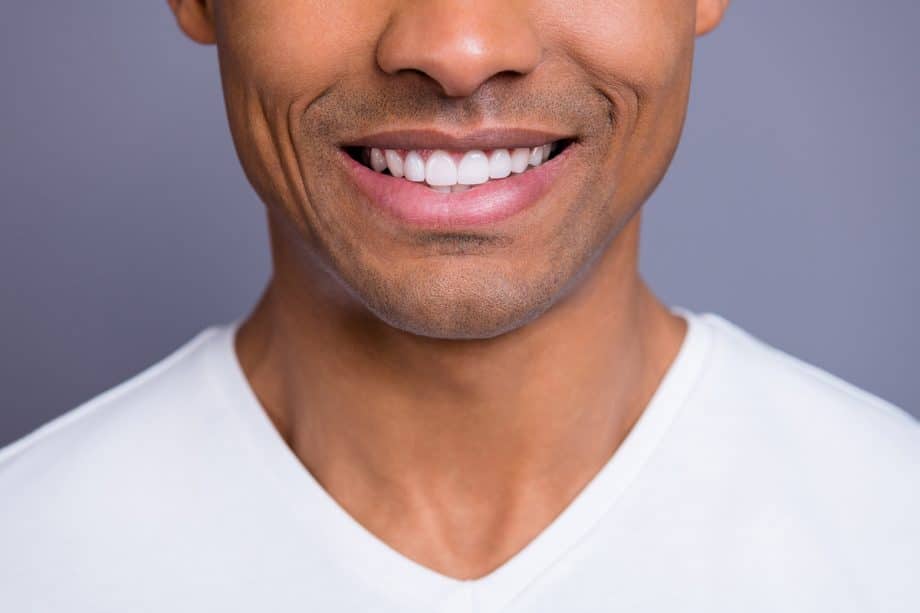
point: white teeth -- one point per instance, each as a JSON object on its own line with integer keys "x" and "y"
{"x": 499, "y": 164}
{"x": 474, "y": 168}
{"x": 378, "y": 161}
{"x": 444, "y": 189}
{"x": 415, "y": 167}
{"x": 536, "y": 156}
{"x": 519, "y": 159}
{"x": 394, "y": 162}
{"x": 440, "y": 169}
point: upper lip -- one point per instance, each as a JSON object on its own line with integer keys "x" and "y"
{"x": 486, "y": 138}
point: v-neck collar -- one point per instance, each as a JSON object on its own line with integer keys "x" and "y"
{"x": 373, "y": 562}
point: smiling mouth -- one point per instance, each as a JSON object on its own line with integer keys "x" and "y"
{"x": 440, "y": 180}
{"x": 453, "y": 171}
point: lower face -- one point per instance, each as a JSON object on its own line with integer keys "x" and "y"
{"x": 463, "y": 216}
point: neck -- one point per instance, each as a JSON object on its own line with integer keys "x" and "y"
{"x": 388, "y": 420}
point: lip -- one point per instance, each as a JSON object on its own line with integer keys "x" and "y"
{"x": 417, "y": 205}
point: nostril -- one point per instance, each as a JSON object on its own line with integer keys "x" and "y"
{"x": 459, "y": 50}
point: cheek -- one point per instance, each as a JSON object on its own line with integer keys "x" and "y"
{"x": 276, "y": 57}
{"x": 639, "y": 54}
{"x": 640, "y": 44}
{"x": 296, "y": 48}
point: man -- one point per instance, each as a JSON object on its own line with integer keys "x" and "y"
{"x": 456, "y": 393}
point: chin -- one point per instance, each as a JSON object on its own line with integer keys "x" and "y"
{"x": 464, "y": 308}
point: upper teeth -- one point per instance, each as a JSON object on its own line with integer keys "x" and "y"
{"x": 454, "y": 171}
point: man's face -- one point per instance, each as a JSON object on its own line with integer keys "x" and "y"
{"x": 313, "y": 87}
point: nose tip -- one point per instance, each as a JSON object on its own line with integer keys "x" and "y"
{"x": 459, "y": 45}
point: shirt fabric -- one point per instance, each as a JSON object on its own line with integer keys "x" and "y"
{"x": 751, "y": 482}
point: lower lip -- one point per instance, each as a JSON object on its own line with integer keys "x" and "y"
{"x": 418, "y": 205}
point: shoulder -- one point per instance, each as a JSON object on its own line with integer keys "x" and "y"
{"x": 802, "y": 456}
{"x": 766, "y": 415}
{"x": 771, "y": 387}
{"x": 800, "y": 477}
{"x": 792, "y": 411}
{"x": 158, "y": 386}
{"x": 110, "y": 448}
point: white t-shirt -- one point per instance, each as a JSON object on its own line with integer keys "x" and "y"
{"x": 752, "y": 482}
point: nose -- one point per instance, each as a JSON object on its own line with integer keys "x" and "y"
{"x": 460, "y": 44}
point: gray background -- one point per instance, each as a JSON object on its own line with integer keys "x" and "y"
{"x": 126, "y": 224}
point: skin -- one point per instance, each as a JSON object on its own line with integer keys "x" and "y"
{"x": 455, "y": 390}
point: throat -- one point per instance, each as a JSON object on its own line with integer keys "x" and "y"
{"x": 455, "y": 453}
